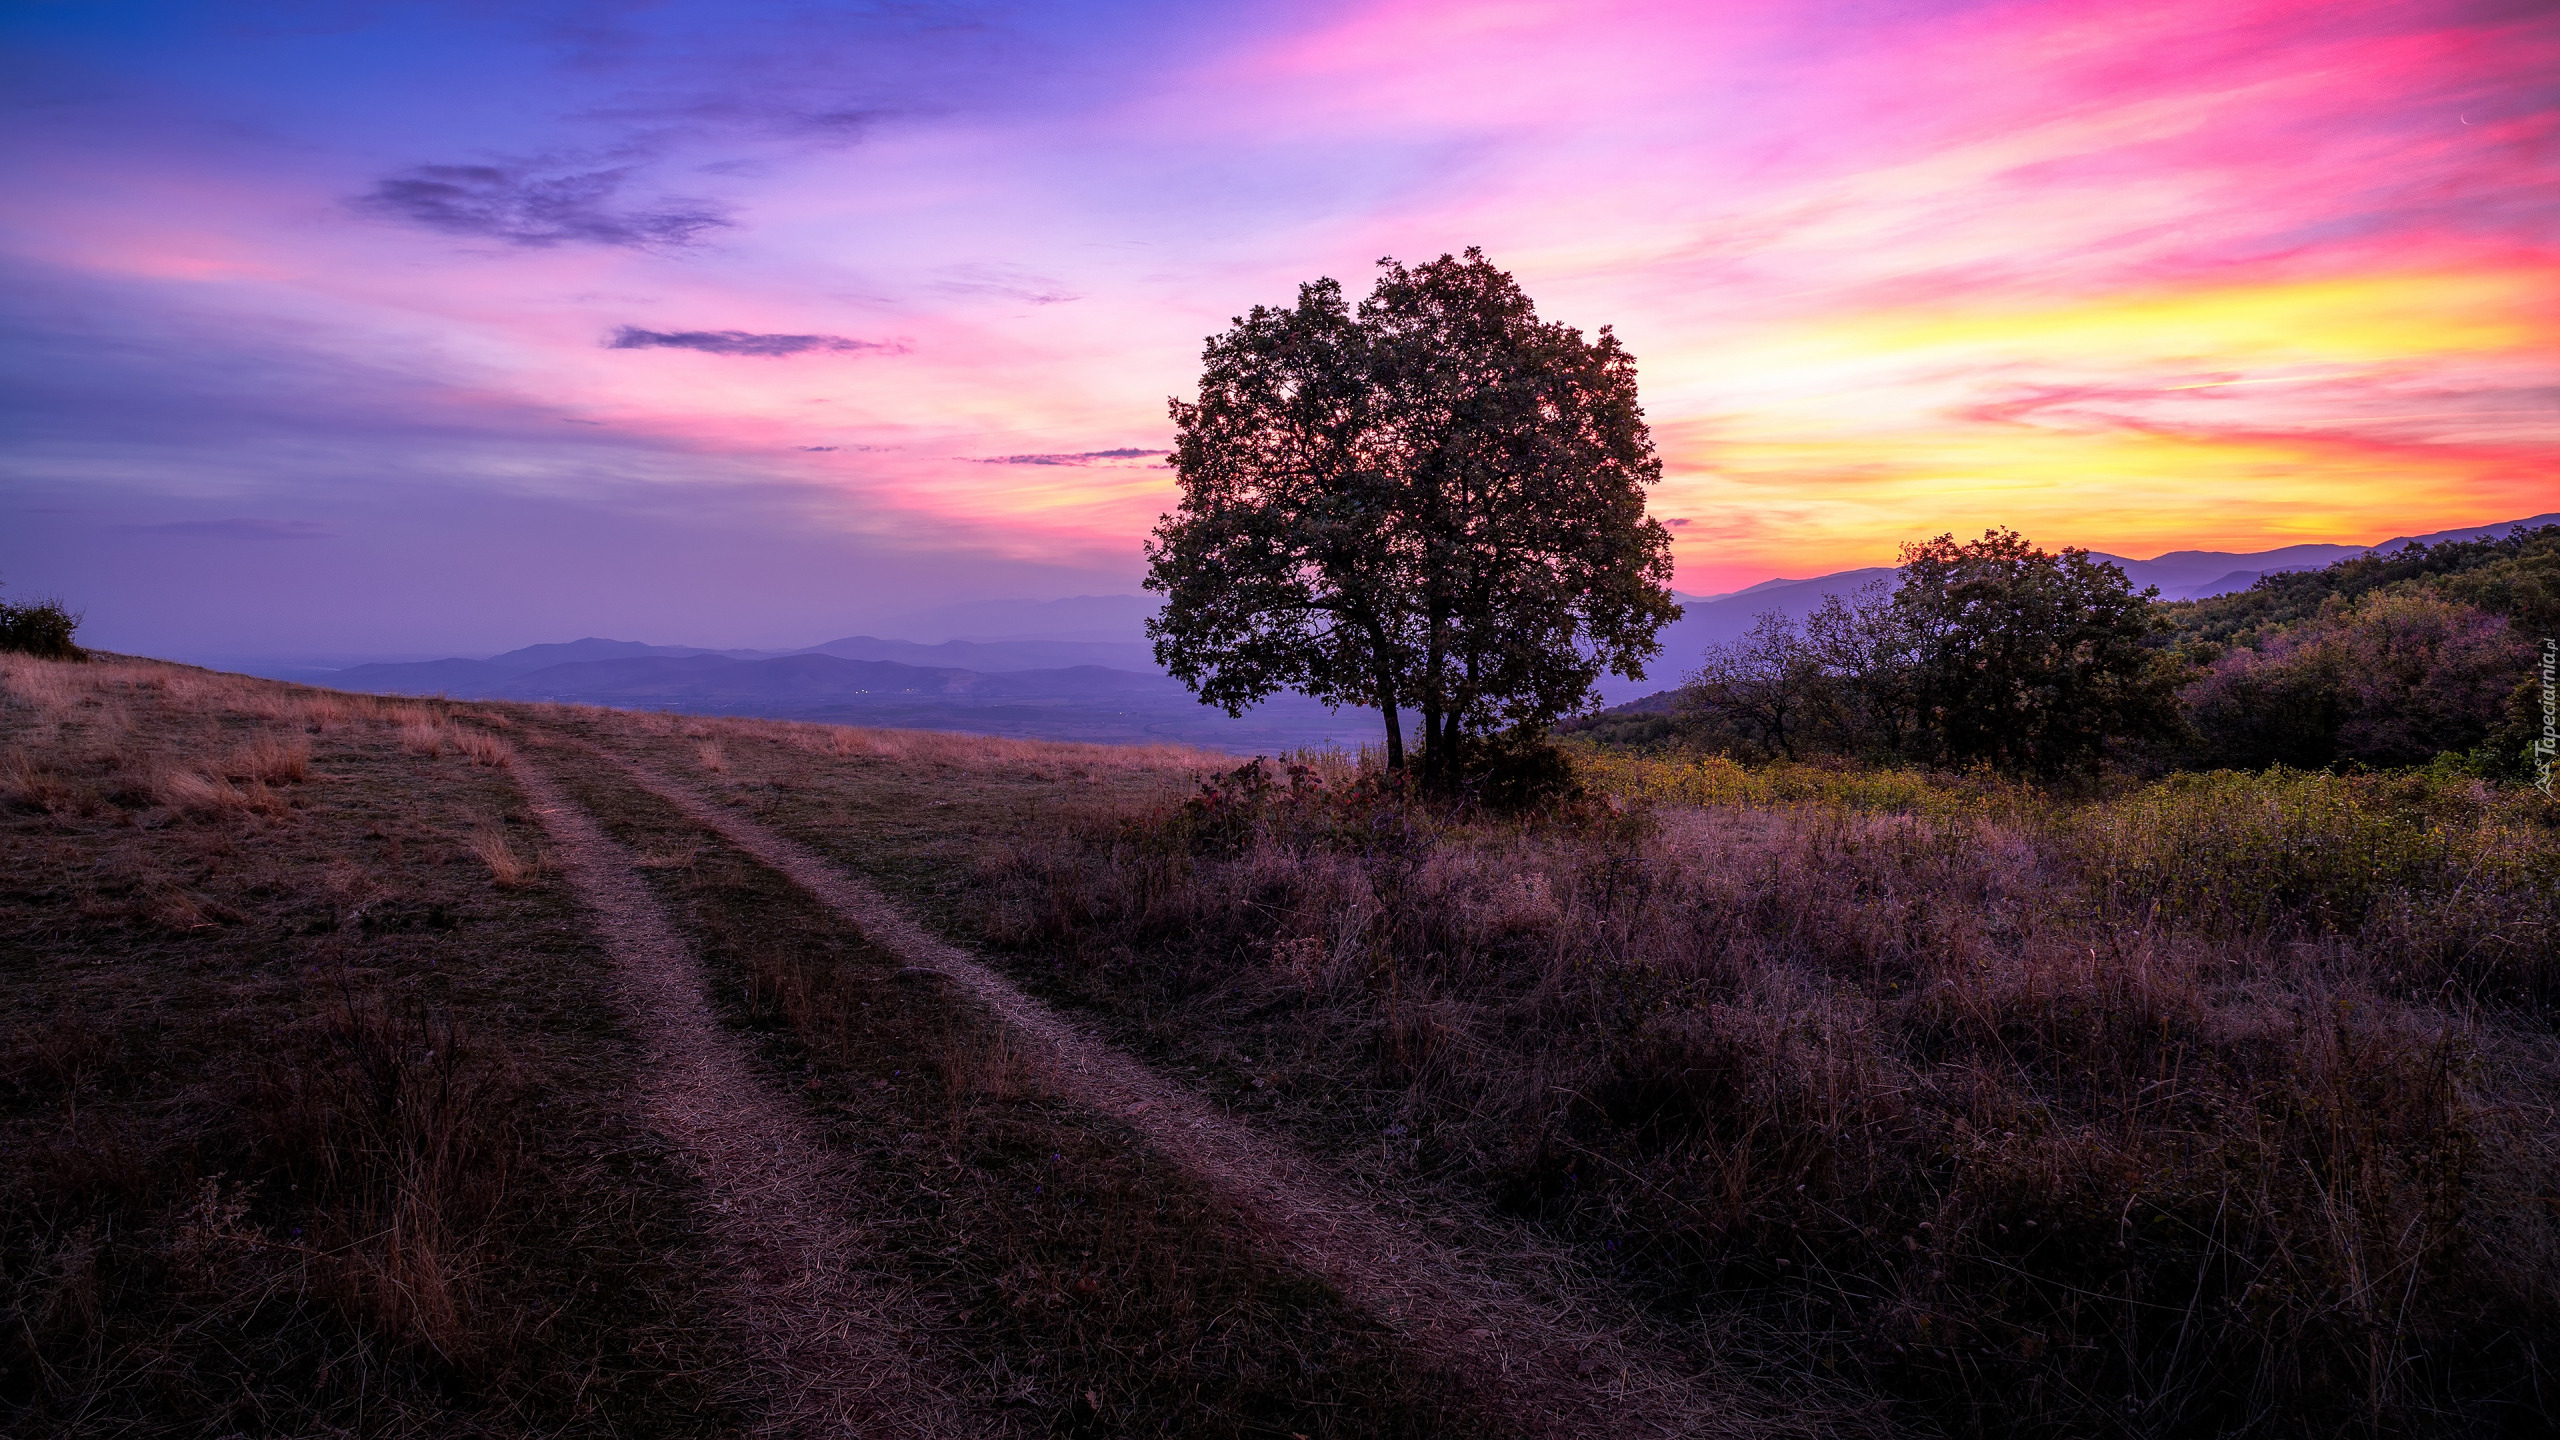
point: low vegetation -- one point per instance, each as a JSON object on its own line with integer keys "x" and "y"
{"x": 1996, "y": 653}
{"x": 2218, "y": 1106}
{"x": 1087, "y": 1279}
{"x": 309, "y": 1125}
{"x": 39, "y": 627}
{"x": 318, "y": 1117}
{"x": 2022, "y": 1083}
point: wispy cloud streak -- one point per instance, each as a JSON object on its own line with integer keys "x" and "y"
{"x": 742, "y": 342}
{"x": 522, "y": 207}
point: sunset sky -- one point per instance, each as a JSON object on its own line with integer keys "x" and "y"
{"x": 352, "y": 329}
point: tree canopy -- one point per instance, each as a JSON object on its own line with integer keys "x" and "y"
{"x": 1434, "y": 503}
{"x": 2030, "y": 660}
{"x": 1992, "y": 650}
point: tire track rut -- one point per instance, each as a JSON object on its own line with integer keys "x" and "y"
{"x": 814, "y": 1311}
{"x": 1509, "y": 1313}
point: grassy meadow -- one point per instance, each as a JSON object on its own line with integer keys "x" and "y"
{"x": 2221, "y": 1105}
{"x": 307, "y": 1085}
{"x": 2218, "y": 1105}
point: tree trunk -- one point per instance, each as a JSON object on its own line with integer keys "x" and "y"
{"x": 1386, "y": 690}
{"x": 1395, "y": 727}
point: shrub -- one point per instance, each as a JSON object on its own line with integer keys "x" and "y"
{"x": 2395, "y": 680}
{"x": 1516, "y": 770}
{"x": 43, "y": 628}
{"x": 2438, "y": 878}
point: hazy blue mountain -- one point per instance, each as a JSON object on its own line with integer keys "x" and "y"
{"x": 1072, "y": 702}
{"x": 791, "y": 682}
{"x": 1081, "y": 668}
{"x": 413, "y": 677}
{"x": 1118, "y": 619}
{"x": 480, "y": 677}
{"x": 2201, "y": 574}
{"x": 996, "y": 655}
{"x": 534, "y": 657}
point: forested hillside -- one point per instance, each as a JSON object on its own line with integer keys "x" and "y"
{"x": 1999, "y": 653}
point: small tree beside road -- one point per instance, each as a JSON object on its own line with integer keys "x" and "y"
{"x": 1433, "y": 504}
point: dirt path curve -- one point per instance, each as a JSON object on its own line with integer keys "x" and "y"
{"x": 822, "y": 1341}
{"x": 1506, "y": 1309}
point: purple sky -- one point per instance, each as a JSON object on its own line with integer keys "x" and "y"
{"x": 369, "y": 330}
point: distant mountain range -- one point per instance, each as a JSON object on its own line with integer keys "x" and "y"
{"x": 493, "y": 676}
{"x": 1081, "y": 669}
{"x": 2180, "y": 575}
{"x": 1005, "y": 692}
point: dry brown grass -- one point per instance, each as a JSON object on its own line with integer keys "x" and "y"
{"x": 202, "y": 796}
{"x": 961, "y": 752}
{"x": 483, "y": 749}
{"x": 2211, "y": 1109}
{"x": 293, "y": 1139}
{"x": 1099, "y": 1289}
{"x": 1894, "y": 1077}
{"x": 506, "y": 867}
{"x": 425, "y": 737}
{"x": 273, "y": 760}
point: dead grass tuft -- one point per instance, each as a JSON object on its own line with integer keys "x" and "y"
{"x": 711, "y": 757}
{"x": 484, "y": 749}
{"x": 50, "y": 688}
{"x": 273, "y": 760}
{"x": 28, "y": 785}
{"x": 424, "y": 737}
{"x": 506, "y": 867}
{"x": 200, "y": 796}
{"x": 671, "y": 857}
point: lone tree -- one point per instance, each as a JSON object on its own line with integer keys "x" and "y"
{"x": 2029, "y": 660}
{"x": 1434, "y": 504}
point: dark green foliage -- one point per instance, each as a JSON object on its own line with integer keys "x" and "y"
{"x": 2041, "y": 664}
{"x": 2517, "y": 576}
{"x": 1435, "y": 505}
{"x": 1650, "y": 724}
{"x": 2379, "y": 660}
{"x": 40, "y": 627}
{"x": 1989, "y": 652}
{"x": 2028, "y": 660}
{"x": 2396, "y": 679}
{"x": 1515, "y": 771}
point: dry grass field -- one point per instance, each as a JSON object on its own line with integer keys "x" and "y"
{"x": 308, "y": 1092}
{"x": 1894, "y": 1102}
